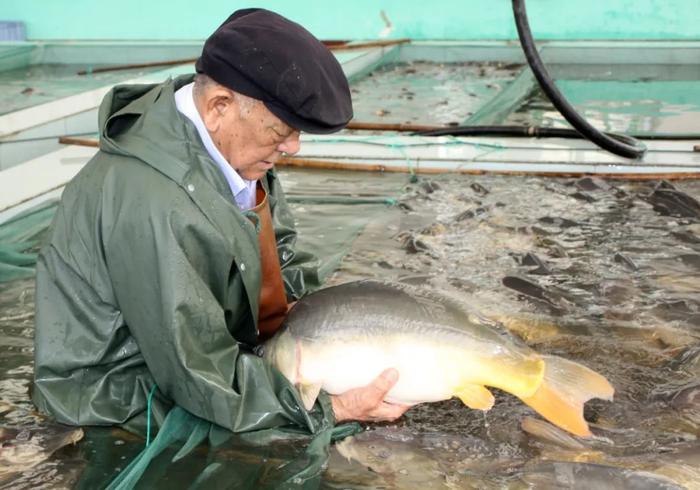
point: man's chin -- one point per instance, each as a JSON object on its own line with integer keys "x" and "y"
{"x": 254, "y": 175}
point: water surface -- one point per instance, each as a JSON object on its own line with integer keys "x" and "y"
{"x": 605, "y": 273}
{"x": 637, "y": 99}
{"x": 37, "y": 84}
{"x": 424, "y": 92}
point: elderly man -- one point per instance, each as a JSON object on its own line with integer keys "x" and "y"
{"x": 172, "y": 251}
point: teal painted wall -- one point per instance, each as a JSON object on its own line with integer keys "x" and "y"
{"x": 360, "y": 19}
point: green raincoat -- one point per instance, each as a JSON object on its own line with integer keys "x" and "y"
{"x": 152, "y": 276}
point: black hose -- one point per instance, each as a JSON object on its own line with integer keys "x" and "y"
{"x": 518, "y": 131}
{"x": 617, "y": 144}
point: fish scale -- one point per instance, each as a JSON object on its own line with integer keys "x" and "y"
{"x": 334, "y": 311}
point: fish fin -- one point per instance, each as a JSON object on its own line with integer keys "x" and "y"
{"x": 309, "y": 392}
{"x": 566, "y": 386}
{"x": 475, "y": 397}
{"x": 550, "y": 433}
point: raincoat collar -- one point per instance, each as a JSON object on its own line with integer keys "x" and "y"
{"x": 242, "y": 189}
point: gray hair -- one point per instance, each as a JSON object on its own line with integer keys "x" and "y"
{"x": 203, "y": 82}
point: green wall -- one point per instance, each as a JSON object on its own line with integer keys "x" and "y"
{"x": 360, "y": 19}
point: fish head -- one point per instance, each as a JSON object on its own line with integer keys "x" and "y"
{"x": 281, "y": 351}
{"x": 387, "y": 455}
{"x": 24, "y": 447}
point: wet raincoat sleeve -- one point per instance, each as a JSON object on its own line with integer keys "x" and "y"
{"x": 171, "y": 280}
{"x": 300, "y": 269}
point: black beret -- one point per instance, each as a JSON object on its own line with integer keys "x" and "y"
{"x": 261, "y": 54}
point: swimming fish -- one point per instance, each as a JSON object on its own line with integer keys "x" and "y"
{"x": 399, "y": 457}
{"x": 583, "y": 476}
{"x": 22, "y": 448}
{"x": 344, "y": 336}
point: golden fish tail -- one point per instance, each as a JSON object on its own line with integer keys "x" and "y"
{"x": 566, "y": 386}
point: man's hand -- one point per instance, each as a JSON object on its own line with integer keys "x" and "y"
{"x": 367, "y": 403}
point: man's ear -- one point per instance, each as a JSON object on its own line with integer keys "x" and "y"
{"x": 216, "y": 103}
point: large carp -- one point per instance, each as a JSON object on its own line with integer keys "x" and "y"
{"x": 343, "y": 337}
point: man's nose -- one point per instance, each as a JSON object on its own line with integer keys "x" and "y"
{"x": 291, "y": 144}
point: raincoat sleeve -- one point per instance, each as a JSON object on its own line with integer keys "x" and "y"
{"x": 300, "y": 269}
{"x": 168, "y": 268}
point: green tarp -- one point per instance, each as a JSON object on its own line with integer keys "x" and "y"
{"x": 20, "y": 239}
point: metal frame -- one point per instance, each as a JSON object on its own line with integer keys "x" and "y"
{"x": 553, "y": 157}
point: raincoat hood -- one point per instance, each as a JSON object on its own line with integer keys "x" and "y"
{"x": 142, "y": 121}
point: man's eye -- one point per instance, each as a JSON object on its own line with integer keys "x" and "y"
{"x": 282, "y": 133}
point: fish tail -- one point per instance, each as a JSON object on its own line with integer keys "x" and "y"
{"x": 566, "y": 386}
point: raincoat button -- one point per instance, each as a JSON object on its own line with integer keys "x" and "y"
{"x": 243, "y": 267}
{"x": 190, "y": 187}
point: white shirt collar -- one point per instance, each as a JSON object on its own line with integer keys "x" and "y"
{"x": 243, "y": 190}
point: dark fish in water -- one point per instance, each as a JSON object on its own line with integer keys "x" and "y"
{"x": 679, "y": 462}
{"x": 691, "y": 260}
{"x": 683, "y": 395}
{"x": 688, "y": 361}
{"x": 343, "y": 337}
{"x": 529, "y": 289}
{"x": 687, "y": 397}
{"x": 470, "y": 213}
{"x": 590, "y": 184}
{"x": 626, "y": 261}
{"x": 479, "y": 189}
{"x": 539, "y": 267}
{"x": 414, "y": 245}
{"x": 669, "y": 201}
{"x": 582, "y": 196}
{"x": 684, "y": 310}
{"x": 24, "y": 447}
{"x": 560, "y": 222}
{"x": 686, "y": 236}
{"x": 429, "y": 186}
{"x": 588, "y": 476}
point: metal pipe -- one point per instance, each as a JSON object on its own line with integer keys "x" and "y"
{"x": 136, "y": 66}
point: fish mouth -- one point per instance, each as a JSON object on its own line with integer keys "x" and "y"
{"x": 75, "y": 436}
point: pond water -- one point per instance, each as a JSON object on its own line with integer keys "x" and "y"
{"x": 606, "y": 273}
{"x": 424, "y": 92}
{"x": 636, "y": 99}
{"x": 640, "y": 99}
{"x": 37, "y": 84}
